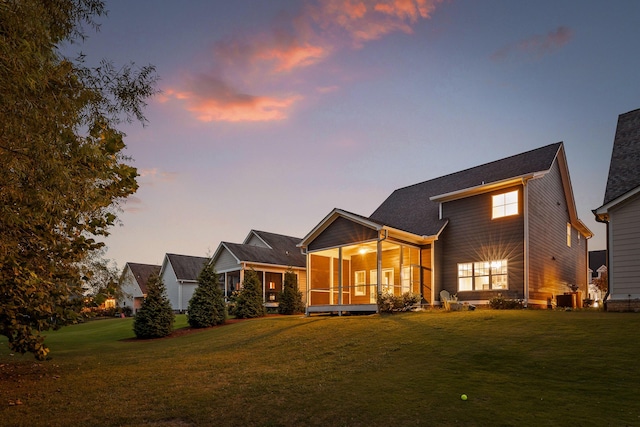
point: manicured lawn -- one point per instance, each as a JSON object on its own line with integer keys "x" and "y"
{"x": 520, "y": 368}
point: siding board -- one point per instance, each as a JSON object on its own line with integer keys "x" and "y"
{"x": 625, "y": 238}
{"x": 553, "y": 266}
{"x": 342, "y": 232}
{"x": 472, "y": 236}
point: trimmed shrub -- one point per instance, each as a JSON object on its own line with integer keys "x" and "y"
{"x": 249, "y": 304}
{"x": 290, "y": 299}
{"x": 389, "y": 303}
{"x": 155, "y": 317}
{"x": 206, "y": 306}
{"x": 501, "y": 303}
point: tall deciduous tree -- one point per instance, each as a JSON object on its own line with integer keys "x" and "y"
{"x": 206, "y": 306}
{"x": 63, "y": 168}
{"x": 249, "y": 302}
{"x": 155, "y": 317}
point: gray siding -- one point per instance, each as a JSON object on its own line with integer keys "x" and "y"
{"x": 625, "y": 249}
{"x": 255, "y": 241}
{"x": 171, "y": 283}
{"x": 225, "y": 261}
{"x": 472, "y": 236}
{"x": 553, "y": 265}
{"x": 342, "y": 232}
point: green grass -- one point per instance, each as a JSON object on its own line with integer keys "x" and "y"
{"x": 519, "y": 368}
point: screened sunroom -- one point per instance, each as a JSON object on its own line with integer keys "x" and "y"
{"x": 351, "y": 260}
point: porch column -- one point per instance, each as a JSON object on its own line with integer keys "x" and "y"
{"x": 264, "y": 284}
{"x": 308, "y": 292}
{"x": 402, "y": 278}
{"x": 331, "y": 280}
{"x": 226, "y": 286}
{"x": 379, "y": 258}
{"x": 340, "y": 277}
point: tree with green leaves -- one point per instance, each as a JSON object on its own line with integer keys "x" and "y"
{"x": 290, "y": 299}
{"x": 249, "y": 302}
{"x": 206, "y": 306}
{"x": 63, "y": 169}
{"x": 155, "y": 317}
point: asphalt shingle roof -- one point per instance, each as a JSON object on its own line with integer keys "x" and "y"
{"x": 410, "y": 208}
{"x": 596, "y": 260}
{"x": 142, "y": 272}
{"x": 284, "y": 250}
{"x": 624, "y": 169}
{"x": 187, "y": 267}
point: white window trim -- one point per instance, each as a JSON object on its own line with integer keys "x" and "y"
{"x": 501, "y": 206}
{"x": 360, "y": 288}
{"x": 473, "y": 276}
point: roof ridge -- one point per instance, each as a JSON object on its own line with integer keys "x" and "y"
{"x": 449, "y": 175}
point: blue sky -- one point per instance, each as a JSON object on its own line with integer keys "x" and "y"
{"x": 273, "y": 113}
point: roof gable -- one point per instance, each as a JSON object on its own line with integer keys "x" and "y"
{"x": 142, "y": 272}
{"x": 280, "y": 250}
{"x": 597, "y": 259}
{"x": 624, "y": 169}
{"x": 411, "y": 208}
{"x": 187, "y": 267}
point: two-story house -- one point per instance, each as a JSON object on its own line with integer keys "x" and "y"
{"x": 508, "y": 227}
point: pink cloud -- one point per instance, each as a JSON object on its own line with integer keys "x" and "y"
{"x": 252, "y": 73}
{"x": 366, "y": 20}
{"x": 212, "y": 99}
{"x": 537, "y": 45}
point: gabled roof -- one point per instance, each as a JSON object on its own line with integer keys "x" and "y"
{"x": 281, "y": 251}
{"x": 624, "y": 169}
{"x": 412, "y": 209}
{"x": 597, "y": 259}
{"x": 142, "y": 272}
{"x": 186, "y": 267}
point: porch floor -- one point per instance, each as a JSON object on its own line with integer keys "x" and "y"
{"x": 328, "y": 308}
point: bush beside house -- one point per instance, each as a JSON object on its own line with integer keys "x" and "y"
{"x": 206, "y": 306}
{"x": 249, "y": 302}
{"x": 290, "y": 298}
{"x": 155, "y": 317}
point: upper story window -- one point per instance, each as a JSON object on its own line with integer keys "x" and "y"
{"x": 569, "y": 234}
{"x": 505, "y": 204}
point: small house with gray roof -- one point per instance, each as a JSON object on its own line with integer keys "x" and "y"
{"x": 507, "y": 228}
{"x": 269, "y": 254}
{"x": 133, "y": 283}
{"x": 179, "y": 273}
{"x": 620, "y": 211}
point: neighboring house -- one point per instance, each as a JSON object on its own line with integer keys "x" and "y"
{"x": 180, "y": 276}
{"x": 133, "y": 282}
{"x": 269, "y": 254}
{"x": 506, "y": 228}
{"x": 621, "y": 213}
{"x": 597, "y": 267}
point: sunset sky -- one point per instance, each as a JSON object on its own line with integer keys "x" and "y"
{"x": 274, "y": 112}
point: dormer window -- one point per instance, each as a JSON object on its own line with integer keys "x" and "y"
{"x": 505, "y": 204}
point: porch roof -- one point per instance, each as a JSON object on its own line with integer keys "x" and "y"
{"x": 287, "y": 256}
{"x": 376, "y": 226}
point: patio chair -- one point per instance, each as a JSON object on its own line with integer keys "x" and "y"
{"x": 449, "y": 302}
